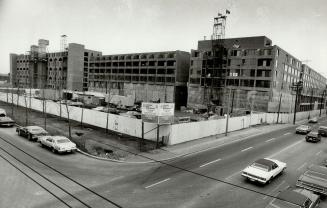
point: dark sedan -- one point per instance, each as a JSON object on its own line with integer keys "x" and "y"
{"x": 313, "y": 137}
{"x": 31, "y": 132}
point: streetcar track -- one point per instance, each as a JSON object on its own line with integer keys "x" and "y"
{"x": 28, "y": 176}
{"x": 55, "y": 170}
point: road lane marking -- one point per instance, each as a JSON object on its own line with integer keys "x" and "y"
{"x": 270, "y": 139}
{"x": 318, "y": 153}
{"x": 302, "y": 166}
{"x": 234, "y": 174}
{"x": 286, "y": 148}
{"x": 275, "y": 189}
{"x": 157, "y": 183}
{"x": 223, "y": 144}
{"x": 210, "y": 163}
{"x": 246, "y": 149}
{"x": 287, "y": 133}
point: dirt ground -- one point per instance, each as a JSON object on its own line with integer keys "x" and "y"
{"x": 91, "y": 139}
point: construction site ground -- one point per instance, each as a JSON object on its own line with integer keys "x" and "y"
{"x": 96, "y": 142}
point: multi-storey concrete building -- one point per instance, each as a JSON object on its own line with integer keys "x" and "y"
{"x": 156, "y": 76}
{"x": 248, "y": 73}
{"x": 59, "y": 70}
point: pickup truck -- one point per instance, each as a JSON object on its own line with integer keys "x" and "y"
{"x": 295, "y": 198}
{"x": 314, "y": 179}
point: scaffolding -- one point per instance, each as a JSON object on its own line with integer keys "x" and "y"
{"x": 215, "y": 71}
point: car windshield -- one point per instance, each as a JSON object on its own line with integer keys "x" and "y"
{"x": 314, "y": 134}
{"x": 60, "y": 141}
{"x": 260, "y": 166}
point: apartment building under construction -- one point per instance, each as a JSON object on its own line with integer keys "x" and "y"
{"x": 253, "y": 75}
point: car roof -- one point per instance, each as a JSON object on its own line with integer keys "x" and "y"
{"x": 292, "y": 197}
{"x": 58, "y": 137}
{"x": 34, "y": 127}
{"x": 265, "y": 161}
{"x": 313, "y": 133}
{"x": 319, "y": 169}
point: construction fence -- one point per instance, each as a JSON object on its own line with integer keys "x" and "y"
{"x": 170, "y": 134}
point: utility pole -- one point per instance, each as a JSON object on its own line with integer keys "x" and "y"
{"x": 232, "y": 101}
{"x": 298, "y": 86}
{"x": 280, "y": 101}
{"x": 82, "y": 108}
{"x": 310, "y": 103}
{"x": 322, "y": 103}
{"x": 227, "y": 114}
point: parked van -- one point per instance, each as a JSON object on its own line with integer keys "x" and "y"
{"x": 322, "y": 130}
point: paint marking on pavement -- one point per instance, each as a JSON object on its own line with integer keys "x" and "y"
{"x": 275, "y": 189}
{"x": 223, "y": 144}
{"x": 246, "y": 149}
{"x": 157, "y": 183}
{"x": 234, "y": 174}
{"x": 210, "y": 163}
{"x": 270, "y": 139}
{"x": 302, "y": 166}
{"x": 286, "y": 148}
{"x": 287, "y": 133}
{"x": 318, "y": 153}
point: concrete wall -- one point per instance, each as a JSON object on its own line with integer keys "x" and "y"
{"x": 175, "y": 134}
{"x": 117, "y": 123}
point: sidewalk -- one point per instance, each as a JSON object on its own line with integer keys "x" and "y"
{"x": 200, "y": 145}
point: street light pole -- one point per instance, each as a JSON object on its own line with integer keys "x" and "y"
{"x": 227, "y": 114}
{"x": 298, "y": 84}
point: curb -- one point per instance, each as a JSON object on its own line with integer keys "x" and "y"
{"x": 181, "y": 155}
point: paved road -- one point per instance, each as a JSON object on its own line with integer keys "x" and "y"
{"x": 196, "y": 182}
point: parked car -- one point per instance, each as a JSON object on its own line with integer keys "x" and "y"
{"x": 313, "y": 120}
{"x": 322, "y": 130}
{"x": 314, "y": 179}
{"x": 58, "y": 144}
{"x": 303, "y": 129}
{"x": 323, "y": 163}
{"x": 6, "y": 121}
{"x": 264, "y": 170}
{"x": 295, "y": 198}
{"x": 31, "y": 132}
{"x": 3, "y": 112}
{"x": 313, "y": 137}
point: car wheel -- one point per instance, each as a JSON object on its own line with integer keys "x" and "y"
{"x": 30, "y": 137}
{"x": 269, "y": 181}
{"x": 53, "y": 150}
{"x": 19, "y": 134}
{"x": 42, "y": 145}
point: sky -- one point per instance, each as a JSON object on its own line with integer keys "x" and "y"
{"x": 128, "y": 26}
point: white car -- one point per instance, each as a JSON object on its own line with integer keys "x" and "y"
{"x": 58, "y": 144}
{"x": 264, "y": 170}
